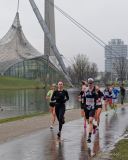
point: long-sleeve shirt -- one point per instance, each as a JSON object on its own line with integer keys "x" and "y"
{"x": 60, "y": 97}
{"x": 122, "y": 91}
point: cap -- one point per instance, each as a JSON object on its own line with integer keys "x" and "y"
{"x": 90, "y": 80}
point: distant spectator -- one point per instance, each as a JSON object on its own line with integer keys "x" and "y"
{"x": 122, "y": 93}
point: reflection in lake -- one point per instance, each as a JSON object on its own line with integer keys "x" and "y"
{"x": 26, "y": 101}
{"x": 21, "y": 102}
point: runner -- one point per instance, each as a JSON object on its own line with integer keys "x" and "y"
{"x": 90, "y": 104}
{"x": 115, "y": 93}
{"x": 122, "y": 93}
{"x": 51, "y": 105}
{"x": 98, "y": 105}
{"x": 60, "y": 96}
{"x": 107, "y": 98}
{"x": 82, "y": 100}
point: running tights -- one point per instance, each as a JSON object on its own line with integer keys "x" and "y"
{"x": 60, "y": 110}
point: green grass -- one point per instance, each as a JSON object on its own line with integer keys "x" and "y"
{"x": 121, "y": 150}
{"x": 11, "y": 119}
{"x": 17, "y": 83}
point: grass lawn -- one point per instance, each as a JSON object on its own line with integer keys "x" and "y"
{"x": 121, "y": 150}
{"x": 17, "y": 83}
{"x": 11, "y": 119}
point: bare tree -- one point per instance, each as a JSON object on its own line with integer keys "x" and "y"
{"x": 93, "y": 70}
{"x": 79, "y": 66}
{"x": 82, "y": 69}
{"x": 120, "y": 67}
{"x": 72, "y": 74}
{"x": 105, "y": 77}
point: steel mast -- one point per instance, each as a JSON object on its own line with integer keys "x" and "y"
{"x": 51, "y": 40}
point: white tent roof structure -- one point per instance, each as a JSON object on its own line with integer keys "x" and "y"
{"x": 14, "y": 47}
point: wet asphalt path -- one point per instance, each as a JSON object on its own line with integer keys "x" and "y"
{"x": 44, "y": 145}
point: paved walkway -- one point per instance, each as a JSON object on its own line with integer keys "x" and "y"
{"x": 44, "y": 145}
{"x": 21, "y": 127}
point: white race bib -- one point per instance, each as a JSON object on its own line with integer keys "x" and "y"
{"x": 90, "y": 101}
{"x": 98, "y": 103}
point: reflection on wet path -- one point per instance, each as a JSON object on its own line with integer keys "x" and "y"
{"x": 44, "y": 145}
{"x": 54, "y": 147}
{"x": 84, "y": 150}
{"x": 114, "y": 127}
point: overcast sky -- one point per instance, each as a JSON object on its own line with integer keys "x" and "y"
{"x": 107, "y": 19}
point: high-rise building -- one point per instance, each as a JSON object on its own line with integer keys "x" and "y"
{"x": 116, "y": 49}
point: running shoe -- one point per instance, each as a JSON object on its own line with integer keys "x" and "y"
{"x": 51, "y": 127}
{"x": 89, "y": 140}
{"x": 97, "y": 128}
{"x": 59, "y": 134}
{"x": 106, "y": 114}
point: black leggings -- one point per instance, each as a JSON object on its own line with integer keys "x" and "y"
{"x": 122, "y": 99}
{"x": 60, "y": 110}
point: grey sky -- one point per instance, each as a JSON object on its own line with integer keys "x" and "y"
{"x": 105, "y": 18}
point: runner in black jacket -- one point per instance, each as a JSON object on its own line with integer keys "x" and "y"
{"x": 60, "y": 96}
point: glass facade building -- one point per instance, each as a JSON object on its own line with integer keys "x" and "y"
{"x": 36, "y": 68}
{"x": 18, "y": 58}
{"x": 114, "y": 51}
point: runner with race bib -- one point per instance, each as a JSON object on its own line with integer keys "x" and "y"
{"x": 90, "y": 105}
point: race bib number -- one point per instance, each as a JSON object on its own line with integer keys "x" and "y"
{"x": 106, "y": 94}
{"x": 90, "y": 101}
{"x": 98, "y": 103}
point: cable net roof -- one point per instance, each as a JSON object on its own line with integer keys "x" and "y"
{"x": 14, "y": 47}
